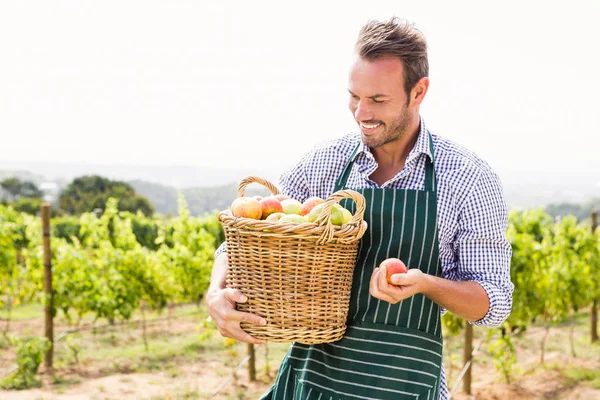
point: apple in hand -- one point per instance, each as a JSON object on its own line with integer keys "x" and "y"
{"x": 270, "y": 205}
{"x": 246, "y": 207}
{"x": 309, "y": 204}
{"x": 291, "y": 206}
{"x": 393, "y": 266}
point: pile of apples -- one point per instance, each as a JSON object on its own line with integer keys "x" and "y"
{"x": 282, "y": 208}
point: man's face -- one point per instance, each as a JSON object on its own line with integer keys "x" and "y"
{"x": 378, "y": 101}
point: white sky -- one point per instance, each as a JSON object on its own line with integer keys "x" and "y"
{"x": 254, "y": 83}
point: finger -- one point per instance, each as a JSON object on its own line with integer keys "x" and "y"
{"x": 382, "y": 282}
{"x": 378, "y": 294}
{"x": 239, "y": 316}
{"x": 234, "y": 296}
{"x": 374, "y": 288}
{"x": 237, "y": 333}
{"x": 400, "y": 280}
{"x": 373, "y": 282}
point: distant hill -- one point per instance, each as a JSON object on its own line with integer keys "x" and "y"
{"x": 208, "y": 189}
{"x": 177, "y": 176}
{"x": 199, "y": 200}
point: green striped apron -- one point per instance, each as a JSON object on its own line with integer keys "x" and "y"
{"x": 389, "y": 351}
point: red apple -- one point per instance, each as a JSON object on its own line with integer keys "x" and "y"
{"x": 309, "y": 204}
{"x": 246, "y": 207}
{"x": 393, "y": 266}
{"x": 270, "y": 205}
{"x": 281, "y": 197}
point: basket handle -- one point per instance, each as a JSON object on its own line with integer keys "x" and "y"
{"x": 255, "y": 179}
{"x": 357, "y": 219}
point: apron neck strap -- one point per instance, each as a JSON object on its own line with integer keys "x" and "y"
{"x": 430, "y": 181}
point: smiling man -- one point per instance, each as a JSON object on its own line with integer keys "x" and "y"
{"x": 430, "y": 202}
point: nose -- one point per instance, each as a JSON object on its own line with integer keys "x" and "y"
{"x": 362, "y": 112}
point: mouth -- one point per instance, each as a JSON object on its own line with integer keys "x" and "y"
{"x": 367, "y": 128}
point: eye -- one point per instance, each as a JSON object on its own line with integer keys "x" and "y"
{"x": 378, "y": 101}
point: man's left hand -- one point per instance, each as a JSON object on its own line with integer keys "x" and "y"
{"x": 405, "y": 285}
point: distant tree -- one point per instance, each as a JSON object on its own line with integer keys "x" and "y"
{"x": 30, "y": 190}
{"x": 12, "y": 186}
{"x": 88, "y": 193}
{"x": 18, "y": 189}
{"x": 581, "y": 211}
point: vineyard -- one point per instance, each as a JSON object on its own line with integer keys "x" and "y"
{"x": 119, "y": 275}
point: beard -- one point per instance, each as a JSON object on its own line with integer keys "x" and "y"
{"x": 391, "y": 132}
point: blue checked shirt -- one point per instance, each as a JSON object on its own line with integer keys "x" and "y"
{"x": 472, "y": 212}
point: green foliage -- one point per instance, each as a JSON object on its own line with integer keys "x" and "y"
{"x": 503, "y": 352}
{"x": 30, "y": 353}
{"x": 67, "y": 228}
{"x": 107, "y": 265}
{"x": 28, "y": 205}
{"x": 90, "y": 193}
{"x": 453, "y": 325}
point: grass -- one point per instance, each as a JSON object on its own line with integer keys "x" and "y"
{"x": 175, "y": 347}
{"x": 23, "y": 312}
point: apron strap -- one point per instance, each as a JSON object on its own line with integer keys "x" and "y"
{"x": 341, "y": 182}
{"x": 430, "y": 181}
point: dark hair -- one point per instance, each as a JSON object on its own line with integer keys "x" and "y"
{"x": 396, "y": 38}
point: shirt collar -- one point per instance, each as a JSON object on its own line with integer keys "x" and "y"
{"x": 421, "y": 146}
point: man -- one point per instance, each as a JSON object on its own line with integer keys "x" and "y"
{"x": 430, "y": 202}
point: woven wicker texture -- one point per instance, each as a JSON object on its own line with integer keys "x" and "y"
{"x": 297, "y": 276}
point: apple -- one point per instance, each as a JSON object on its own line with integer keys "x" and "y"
{"x": 259, "y": 198}
{"x": 281, "y": 197}
{"x": 270, "y": 205}
{"x": 275, "y": 216}
{"x": 309, "y": 204}
{"x": 246, "y": 207}
{"x": 336, "y": 214}
{"x": 393, "y": 266}
{"x": 293, "y": 218}
{"x": 291, "y": 206}
{"x": 347, "y": 215}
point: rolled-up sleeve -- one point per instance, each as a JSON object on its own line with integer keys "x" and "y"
{"x": 482, "y": 250}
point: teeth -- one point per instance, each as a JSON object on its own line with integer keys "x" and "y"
{"x": 370, "y": 126}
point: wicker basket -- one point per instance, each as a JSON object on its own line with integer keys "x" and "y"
{"x": 297, "y": 276}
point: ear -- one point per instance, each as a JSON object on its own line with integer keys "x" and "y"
{"x": 418, "y": 92}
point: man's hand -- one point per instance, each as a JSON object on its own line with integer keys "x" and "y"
{"x": 221, "y": 303}
{"x": 405, "y": 285}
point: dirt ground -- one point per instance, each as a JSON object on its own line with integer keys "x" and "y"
{"x": 184, "y": 362}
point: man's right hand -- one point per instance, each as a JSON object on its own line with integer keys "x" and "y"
{"x": 221, "y": 303}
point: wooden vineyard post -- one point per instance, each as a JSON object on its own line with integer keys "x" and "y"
{"x": 251, "y": 362}
{"x": 467, "y": 353}
{"x": 594, "y": 310}
{"x": 49, "y": 303}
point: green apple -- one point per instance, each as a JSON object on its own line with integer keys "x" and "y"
{"x": 293, "y": 218}
{"x": 347, "y": 215}
{"x": 337, "y": 217}
{"x": 275, "y": 216}
{"x": 291, "y": 206}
